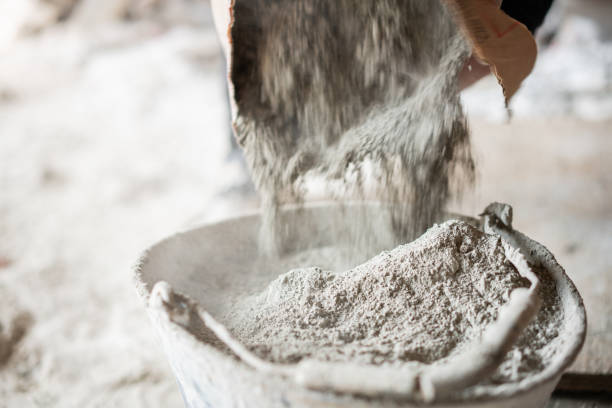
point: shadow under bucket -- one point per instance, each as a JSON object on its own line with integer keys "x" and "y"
{"x": 190, "y": 280}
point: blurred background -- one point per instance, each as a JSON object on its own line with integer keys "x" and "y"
{"x": 114, "y": 132}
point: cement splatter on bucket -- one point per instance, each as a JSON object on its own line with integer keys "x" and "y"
{"x": 191, "y": 280}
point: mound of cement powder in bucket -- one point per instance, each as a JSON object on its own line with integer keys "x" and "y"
{"x": 419, "y": 303}
{"x": 359, "y": 95}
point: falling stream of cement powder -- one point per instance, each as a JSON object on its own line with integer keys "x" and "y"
{"x": 358, "y": 95}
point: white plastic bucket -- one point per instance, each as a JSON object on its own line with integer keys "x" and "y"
{"x": 202, "y": 271}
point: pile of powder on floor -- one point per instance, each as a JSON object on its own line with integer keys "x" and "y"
{"x": 360, "y": 96}
{"x": 419, "y": 303}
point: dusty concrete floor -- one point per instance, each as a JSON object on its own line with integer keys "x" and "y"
{"x": 111, "y": 143}
{"x": 115, "y": 139}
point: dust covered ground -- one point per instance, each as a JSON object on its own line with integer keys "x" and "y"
{"x": 110, "y": 139}
{"x": 113, "y": 134}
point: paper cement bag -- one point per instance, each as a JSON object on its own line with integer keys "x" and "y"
{"x": 498, "y": 40}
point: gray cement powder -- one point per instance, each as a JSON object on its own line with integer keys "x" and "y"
{"x": 419, "y": 303}
{"x": 359, "y": 95}
{"x": 362, "y": 96}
